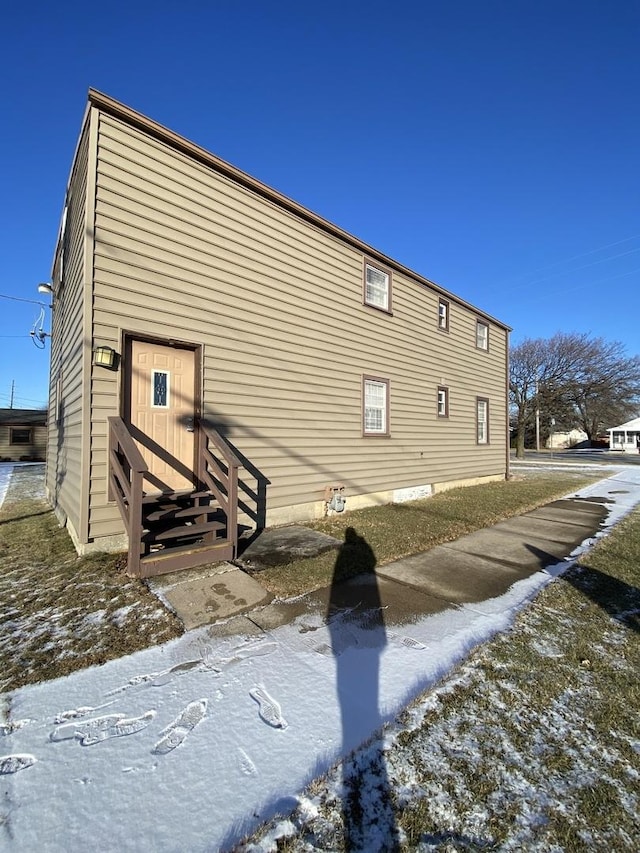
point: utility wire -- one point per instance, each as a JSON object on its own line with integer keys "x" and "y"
{"x": 21, "y": 299}
{"x": 581, "y": 255}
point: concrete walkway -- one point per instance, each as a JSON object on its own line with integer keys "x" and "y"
{"x": 480, "y": 566}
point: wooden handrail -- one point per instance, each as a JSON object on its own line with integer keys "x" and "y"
{"x": 220, "y": 443}
{"x": 128, "y": 445}
{"x": 228, "y": 478}
{"x": 125, "y": 486}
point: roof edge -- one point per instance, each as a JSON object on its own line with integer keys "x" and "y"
{"x": 119, "y": 110}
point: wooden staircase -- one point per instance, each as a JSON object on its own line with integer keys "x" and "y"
{"x": 171, "y": 531}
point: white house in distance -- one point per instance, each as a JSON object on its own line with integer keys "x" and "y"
{"x": 626, "y": 436}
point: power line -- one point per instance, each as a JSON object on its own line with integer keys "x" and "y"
{"x": 21, "y": 299}
{"x": 576, "y": 269}
{"x": 18, "y": 398}
{"x": 581, "y": 255}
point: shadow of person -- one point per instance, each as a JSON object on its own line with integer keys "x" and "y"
{"x": 358, "y": 637}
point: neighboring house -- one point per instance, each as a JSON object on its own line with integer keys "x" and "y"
{"x": 211, "y": 334}
{"x": 23, "y": 435}
{"x": 567, "y": 438}
{"x": 625, "y": 437}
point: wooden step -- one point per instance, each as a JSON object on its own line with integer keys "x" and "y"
{"x": 185, "y": 557}
{"x": 170, "y": 511}
{"x": 186, "y": 530}
{"x": 159, "y": 497}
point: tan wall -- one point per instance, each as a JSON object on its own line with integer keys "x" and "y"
{"x": 276, "y": 304}
{"x": 67, "y": 399}
{"x": 14, "y": 452}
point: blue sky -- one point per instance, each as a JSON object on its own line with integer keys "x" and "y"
{"x": 490, "y": 146}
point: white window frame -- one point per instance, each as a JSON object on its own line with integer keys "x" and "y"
{"x": 482, "y": 420}
{"x": 443, "y": 315}
{"x": 482, "y": 335}
{"x": 377, "y": 295}
{"x": 375, "y": 412}
{"x": 442, "y": 401}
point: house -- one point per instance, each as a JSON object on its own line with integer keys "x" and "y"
{"x": 625, "y": 437}
{"x": 224, "y": 359}
{"x": 23, "y": 435}
{"x": 567, "y": 438}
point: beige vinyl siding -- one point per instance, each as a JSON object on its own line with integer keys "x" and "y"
{"x": 68, "y": 344}
{"x": 183, "y": 252}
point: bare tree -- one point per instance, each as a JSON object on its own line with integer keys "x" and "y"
{"x": 605, "y": 391}
{"x": 578, "y": 380}
{"x": 525, "y": 365}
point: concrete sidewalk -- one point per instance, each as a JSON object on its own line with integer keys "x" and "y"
{"x": 480, "y": 566}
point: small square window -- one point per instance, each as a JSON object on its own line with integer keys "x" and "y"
{"x": 159, "y": 389}
{"x": 482, "y": 335}
{"x": 377, "y": 287}
{"x": 443, "y": 402}
{"x": 482, "y": 420}
{"x": 443, "y": 315}
{"x": 20, "y": 435}
{"x": 375, "y": 408}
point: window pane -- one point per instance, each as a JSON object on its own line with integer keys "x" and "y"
{"x": 442, "y": 401}
{"x": 443, "y": 319}
{"x": 482, "y": 421}
{"x": 375, "y": 406}
{"x": 160, "y": 390}
{"x": 377, "y": 287}
{"x": 482, "y": 335}
{"x": 20, "y": 435}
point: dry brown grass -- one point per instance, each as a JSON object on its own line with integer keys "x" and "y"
{"x": 60, "y": 612}
{"x": 398, "y": 530}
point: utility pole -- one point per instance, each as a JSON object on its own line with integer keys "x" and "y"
{"x": 537, "y": 419}
{"x": 13, "y": 385}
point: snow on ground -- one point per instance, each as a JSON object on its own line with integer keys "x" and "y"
{"x": 6, "y": 469}
{"x": 192, "y": 744}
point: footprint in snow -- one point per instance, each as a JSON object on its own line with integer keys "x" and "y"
{"x": 14, "y": 763}
{"x": 98, "y": 729}
{"x": 156, "y": 679}
{"x": 237, "y": 654}
{"x": 246, "y": 764}
{"x": 268, "y": 708}
{"x": 176, "y": 732}
{"x": 78, "y": 713}
{"x": 13, "y": 726}
{"x": 407, "y": 642}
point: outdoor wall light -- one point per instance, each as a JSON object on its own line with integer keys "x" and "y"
{"x": 43, "y": 287}
{"x": 105, "y": 357}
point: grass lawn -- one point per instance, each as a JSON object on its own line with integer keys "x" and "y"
{"x": 533, "y": 743}
{"x": 398, "y": 530}
{"x": 60, "y": 612}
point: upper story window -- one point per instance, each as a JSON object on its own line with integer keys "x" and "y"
{"x": 443, "y": 315}
{"x": 443, "y": 402}
{"x": 375, "y": 406}
{"x": 482, "y": 420}
{"x": 377, "y": 286}
{"x": 482, "y": 335}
